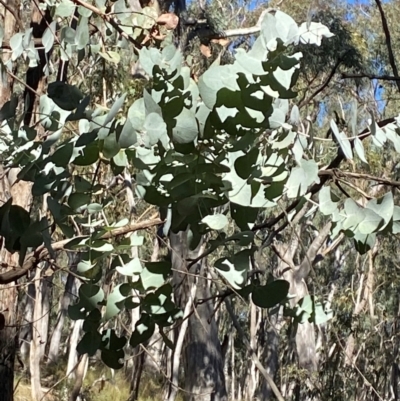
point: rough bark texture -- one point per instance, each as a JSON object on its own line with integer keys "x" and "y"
{"x": 9, "y": 24}
{"x": 203, "y": 362}
{"x": 35, "y": 77}
{"x": 21, "y": 194}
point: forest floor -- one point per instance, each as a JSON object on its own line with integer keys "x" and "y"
{"x": 98, "y": 386}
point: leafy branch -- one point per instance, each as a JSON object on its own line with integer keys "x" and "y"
{"x": 41, "y": 253}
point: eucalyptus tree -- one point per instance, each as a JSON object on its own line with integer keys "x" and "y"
{"x": 213, "y": 156}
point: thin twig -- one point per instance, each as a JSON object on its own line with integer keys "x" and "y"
{"x": 388, "y": 42}
{"x": 324, "y": 85}
{"x": 359, "y": 176}
{"x": 22, "y": 82}
{"x": 370, "y": 76}
{"x": 112, "y": 21}
{"x": 359, "y": 190}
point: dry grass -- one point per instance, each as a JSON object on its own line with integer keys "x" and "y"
{"x": 115, "y": 389}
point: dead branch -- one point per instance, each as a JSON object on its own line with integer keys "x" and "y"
{"x": 229, "y": 33}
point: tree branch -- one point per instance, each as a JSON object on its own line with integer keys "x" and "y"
{"x": 360, "y": 176}
{"x": 388, "y": 42}
{"x": 335, "y": 163}
{"x": 324, "y": 85}
{"x": 34, "y": 258}
{"x": 229, "y": 33}
{"x": 305, "y": 266}
{"x": 370, "y": 76}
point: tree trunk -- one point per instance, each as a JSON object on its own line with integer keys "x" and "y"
{"x": 138, "y": 364}
{"x": 203, "y": 362}
{"x": 73, "y": 354}
{"x": 252, "y": 373}
{"x": 8, "y": 294}
{"x": 268, "y": 342}
{"x": 36, "y": 341}
{"x": 40, "y": 325}
{"x": 79, "y": 376}
{"x": 365, "y": 293}
{"x": 138, "y": 352}
{"x": 155, "y": 348}
{"x": 26, "y": 330}
{"x": 20, "y": 193}
{"x": 35, "y": 76}
{"x": 45, "y": 292}
{"x": 233, "y": 375}
{"x": 54, "y": 348}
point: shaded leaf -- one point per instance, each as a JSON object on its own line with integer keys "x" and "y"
{"x": 113, "y": 359}
{"x": 65, "y": 96}
{"x": 271, "y": 294}
{"x": 144, "y": 329}
{"x": 89, "y": 343}
{"x": 327, "y": 201}
{"x": 186, "y": 129}
{"x": 115, "y": 300}
{"x": 301, "y": 177}
{"x": 131, "y": 268}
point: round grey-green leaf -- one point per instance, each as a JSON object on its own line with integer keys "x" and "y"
{"x": 155, "y": 128}
{"x": 216, "y": 221}
{"x": 186, "y": 129}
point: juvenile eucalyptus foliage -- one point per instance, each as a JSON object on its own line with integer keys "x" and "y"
{"x": 223, "y": 143}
